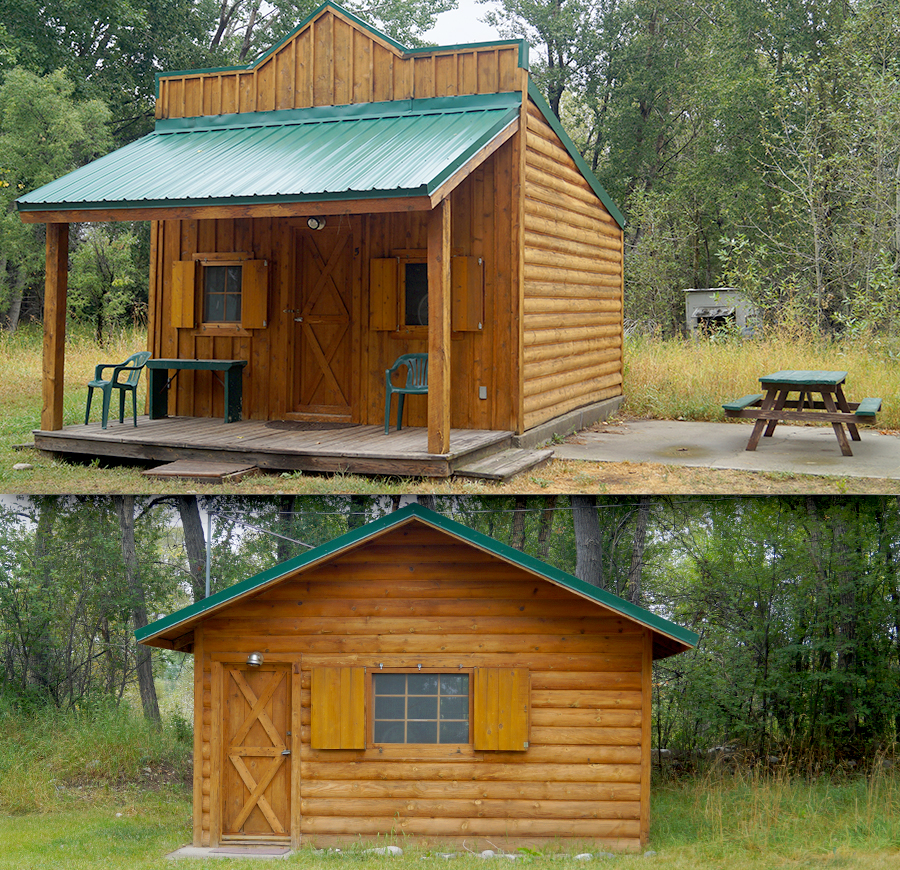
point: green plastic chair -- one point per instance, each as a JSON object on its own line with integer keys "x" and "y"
{"x": 132, "y": 366}
{"x": 416, "y": 384}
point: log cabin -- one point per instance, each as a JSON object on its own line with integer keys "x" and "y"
{"x": 417, "y": 679}
{"x": 342, "y": 200}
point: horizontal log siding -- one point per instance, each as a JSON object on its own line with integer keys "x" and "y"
{"x": 573, "y": 284}
{"x": 413, "y": 596}
{"x": 334, "y": 62}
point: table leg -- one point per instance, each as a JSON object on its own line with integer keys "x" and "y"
{"x": 158, "y": 388}
{"x": 233, "y": 394}
{"x": 845, "y": 407}
{"x": 828, "y": 401}
{"x": 779, "y": 404}
{"x": 767, "y": 404}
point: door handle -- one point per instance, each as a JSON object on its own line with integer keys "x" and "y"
{"x": 298, "y": 320}
{"x": 286, "y": 752}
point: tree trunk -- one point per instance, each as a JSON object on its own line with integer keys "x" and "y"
{"x": 146, "y": 686}
{"x": 588, "y": 544}
{"x": 194, "y": 543}
{"x": 546, "y": 526}
{"x": 517, "y": 538}
{"x": 285, "y": 549}
{"x": 633, "y": 588}
{"x": 38, "y": 641}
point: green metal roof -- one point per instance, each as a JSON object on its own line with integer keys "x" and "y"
{"x": 367, "y": 151}
{"x": 182, "y": 620}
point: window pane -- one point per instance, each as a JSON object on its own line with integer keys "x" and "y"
{"x": 416, "y": 294}
{"x": 390, "y": 684}
{"x": 388, "y": 732}
{"x": 389, "y": 707}
{"x": 222, "y": 294}
{"x": 455, "y": 684}
{"x": 423, "y": 684}
{"x": 232, "y": 307}
{"x": 422, "y": 708}
{"x": 455, "y": 708}
{"x": 421, "y": 732}
{"x": 454, "y": 732}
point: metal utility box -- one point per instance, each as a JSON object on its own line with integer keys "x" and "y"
{"x": 716, "y": 308}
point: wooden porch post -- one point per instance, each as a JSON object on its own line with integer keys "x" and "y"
{"x": 55, "y": 291}
{"x": 439, "y": 328}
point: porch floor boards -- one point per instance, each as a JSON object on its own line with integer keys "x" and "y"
{"x": 350, "y": 449}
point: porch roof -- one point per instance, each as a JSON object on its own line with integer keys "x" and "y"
{"x": 397, "y": 149}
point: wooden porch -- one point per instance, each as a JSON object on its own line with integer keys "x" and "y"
{"x": 276, "y": 445}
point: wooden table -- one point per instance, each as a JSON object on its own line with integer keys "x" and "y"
{"x": 776, "y": 406}
{"x": 159, "y": 381}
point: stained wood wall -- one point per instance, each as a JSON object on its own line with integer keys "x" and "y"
{"x": 480, "y": 210}
{"x": 416, "y": 596}
{"x": 334, "y": 62}
{"x": 573, "y": 273}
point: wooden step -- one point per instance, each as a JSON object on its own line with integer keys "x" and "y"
{"x": 504, "y": 464}
{"x": 202, "y": 470}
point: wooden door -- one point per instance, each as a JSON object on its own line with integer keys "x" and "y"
{"x": 256, "y": 773}
{"x": 322, "y": 315}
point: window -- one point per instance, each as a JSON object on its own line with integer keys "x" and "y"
{"x": 222, "y": 293}
{"x": 415, "y": 286}
{"x": 398, "y": 294}
{"x": 360, "y": 708}
{"x": 420, "y": 708}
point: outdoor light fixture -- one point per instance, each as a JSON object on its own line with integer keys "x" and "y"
{"x": 315, "y": 223}
{"x": 255, "y": 659}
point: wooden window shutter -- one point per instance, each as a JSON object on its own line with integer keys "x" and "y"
{"x": 466, "y": 294}
{"x": 254, "y": 294}
{"x": 500, "y": 716}
{"x": 183, "y": 280}
{"x": 384, "y": 289}
{"x": 338, "y": 708}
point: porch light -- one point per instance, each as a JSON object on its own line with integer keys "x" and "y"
{"x": 315, "y": 223}
{"x": 255, "y": 659}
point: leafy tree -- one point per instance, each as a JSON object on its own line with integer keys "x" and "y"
{"x": 107, "y": 285}
{"x": 44, "y": 133}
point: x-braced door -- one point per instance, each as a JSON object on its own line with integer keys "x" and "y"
{"x": 323, "y": 317}
{"x": 256, "y": 774}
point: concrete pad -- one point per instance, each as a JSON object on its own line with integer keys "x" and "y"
{"x": 234, "y": 851}
{"x": 791, "y": 449}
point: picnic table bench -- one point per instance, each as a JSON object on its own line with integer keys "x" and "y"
{"x": 159, "y": 381}
{"x": 775, "y": 405}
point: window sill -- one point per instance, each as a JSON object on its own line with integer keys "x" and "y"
{"x": 221, "y": 329}
{"x": 421, "y": 752}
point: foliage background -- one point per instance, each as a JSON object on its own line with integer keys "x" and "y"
{"x": 749, "y": 144}
{"x": 796, "y": 600}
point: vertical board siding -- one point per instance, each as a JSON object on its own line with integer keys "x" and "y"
{"x": 573, "y": 270}
{"x": 414, "y": 596}
{"x": 481, "y": 210}
{"x": 333, "y": 61}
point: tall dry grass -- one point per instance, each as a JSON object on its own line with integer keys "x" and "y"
{"x": 684, "y": 378}
{"x": 21, "y": 369}
{"x": 779, "y": 813}
{"x": 46, "y": 754}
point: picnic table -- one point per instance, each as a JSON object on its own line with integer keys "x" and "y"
{"x": 159, "y": 382}
{"x": 776, "y": 406}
